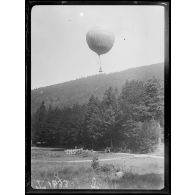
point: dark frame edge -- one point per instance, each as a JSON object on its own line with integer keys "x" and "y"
{"x": 167, "y": 70}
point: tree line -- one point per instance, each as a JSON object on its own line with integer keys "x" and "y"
{"x": 130, "y": 120}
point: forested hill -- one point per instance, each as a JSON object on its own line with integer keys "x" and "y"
{"x": 80, "y": 90}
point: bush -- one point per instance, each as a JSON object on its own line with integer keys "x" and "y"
{"x": 95, "y": 163}
{"x": 144, "y": 137}
{"x": 107, "y": 168}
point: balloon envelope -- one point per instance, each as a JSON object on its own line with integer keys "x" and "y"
{"x": 100, "y": 40}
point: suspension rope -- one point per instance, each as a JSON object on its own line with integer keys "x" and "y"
{"x": 100, "y": 69}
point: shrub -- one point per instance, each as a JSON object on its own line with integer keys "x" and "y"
{"x": 144, "y": 137}
{"x": 107, "y": 168}
{"x": 95, "y": 163}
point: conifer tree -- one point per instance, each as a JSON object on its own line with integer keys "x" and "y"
{"x": 93, "y": 122}
{"x": 38, "y": 124}
{"x": 110, "y": 111}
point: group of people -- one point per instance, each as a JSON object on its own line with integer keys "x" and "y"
{"x": 107, "y": 149}
{"x": 74, "y": 151}
{"x": 81, "y": 150}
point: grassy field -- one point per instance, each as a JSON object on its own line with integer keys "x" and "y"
{"x": 51, "y": 168}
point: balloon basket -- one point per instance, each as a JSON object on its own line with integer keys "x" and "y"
{"x": 100, "y": 70}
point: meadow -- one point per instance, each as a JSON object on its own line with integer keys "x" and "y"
{"x": 51, "y": 168}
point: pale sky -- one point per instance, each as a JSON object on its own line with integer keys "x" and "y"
{"x": 59, "y": 50}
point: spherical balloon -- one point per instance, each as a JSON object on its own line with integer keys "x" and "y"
{"x": 100, "y": 40}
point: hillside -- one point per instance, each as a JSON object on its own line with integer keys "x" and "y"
{"x": 79, "y": 91}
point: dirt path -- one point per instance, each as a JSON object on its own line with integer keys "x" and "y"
{"x": 108, "y": 159}
{"x": 143, "y": 155}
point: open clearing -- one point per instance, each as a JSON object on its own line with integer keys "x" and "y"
{"x": 51, "y": 168}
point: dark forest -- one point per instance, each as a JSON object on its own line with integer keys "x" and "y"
{"x": 130, "y": 120}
